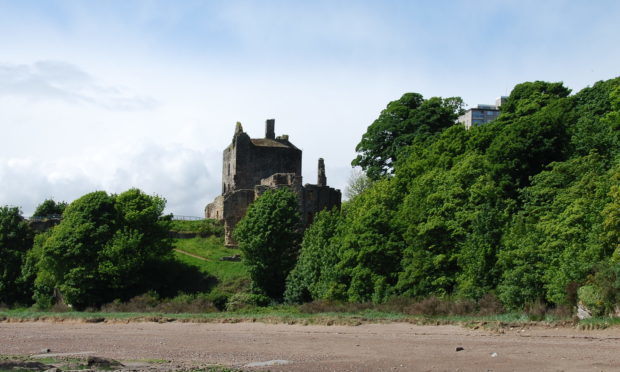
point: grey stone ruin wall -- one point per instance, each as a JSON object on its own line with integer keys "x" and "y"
{"x": 262, "y": 162}
{"x": 235, "y": 206}
{"x": 246, "y": 164}
{"x": 253, "y": 166}
{"x": 316, "y": 198}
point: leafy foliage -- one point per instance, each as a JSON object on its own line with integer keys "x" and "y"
{"x": 15, "y": 240}
{"x": 49, "y": 207}
{"x": 269, "y": 237}
{"x": 106, "y": 247}
{"x": 403, "y": 122}
{"x": 526, "y": 207}
{"x": 314, "y": 268}
{"x": 358, "y": 183}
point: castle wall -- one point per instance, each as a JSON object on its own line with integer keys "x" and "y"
{"x": 262, "y": 161}
{"x": 246, "y": 164}
{"x": 253, "y": 166}
{"x": 215, "y": 210}
{"x": 228, "y": 169}
{"x": 235, "y": 206}
{"x": 316, "y": 198}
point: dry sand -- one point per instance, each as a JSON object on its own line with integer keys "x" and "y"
{"x": 281, "y": 347}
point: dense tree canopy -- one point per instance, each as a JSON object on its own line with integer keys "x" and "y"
{"x": 104, "y": 248}
{"x": 15, "y": 241}
{"x": 404, "y": 121}
{"x": 525, "y": 207}
{"x": 49, "y": 208}
{"x": 269, "y": 237}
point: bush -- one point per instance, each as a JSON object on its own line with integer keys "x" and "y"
{"x": 489, "y": 304}
{"x": 431, "y": 306}
{"x": 536, "y": 310}
{"x": 240, "y": 301}
{"x": 331, "y": 306}
{"x": 593, "y": 299}
{"x": 219, "y": 299}
{"x": 151, "y": 303}
{"x": 434, "y": 306}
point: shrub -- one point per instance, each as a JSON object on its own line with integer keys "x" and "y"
{"x": 489, "y": 304}
{"x": 151, "y": 303}
{"x": 240, "y": 301}
{"x": 592, "y": 298}
{"x": 536, "y": 310}
{"x": 330, "y": 306}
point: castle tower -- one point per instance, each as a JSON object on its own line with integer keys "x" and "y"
{"x": 252, "y": 166}
{"x": 270, "y": 132}
{"x": 321, "y": 179}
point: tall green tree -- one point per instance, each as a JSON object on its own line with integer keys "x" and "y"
{"x": 49, "y": 207}
{"x": 598, "y": 125}
{"x": 403, "y": 122}
{"x": 310, "y": 278}
{"x": 528, "y": 143}
{"x": 269, "y": 236}
{"x": 103, "y": 249}
{"x": 368, "y": 246}
{"x": 15, "y": 240}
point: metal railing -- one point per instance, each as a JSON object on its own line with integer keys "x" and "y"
{"x": 59, "y": 217}
{"x": 186, "y": 218}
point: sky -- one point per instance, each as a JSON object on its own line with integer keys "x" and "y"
{"x": 109, "y": 95}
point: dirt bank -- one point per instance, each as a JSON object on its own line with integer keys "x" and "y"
{"x": 280, "y": 347}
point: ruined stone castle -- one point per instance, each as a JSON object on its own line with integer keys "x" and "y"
{"x": 254, "y": 165}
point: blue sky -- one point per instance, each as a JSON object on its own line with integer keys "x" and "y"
{"x": 115, "y": 94}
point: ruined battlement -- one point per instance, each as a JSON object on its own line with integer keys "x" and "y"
{"x": 252, "y": 166}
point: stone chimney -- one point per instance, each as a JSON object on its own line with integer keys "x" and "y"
{"x": 270, "y": 125}
{"x": 238, "y": 128}
{"x": 322, "y": 179}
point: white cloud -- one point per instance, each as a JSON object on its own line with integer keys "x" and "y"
{"x": 146, "y": 94}
{"x": 181, "y": 175}
{"x": 63, "y": 81}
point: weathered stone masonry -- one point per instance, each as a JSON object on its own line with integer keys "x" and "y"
{"x": 254, "y": 165}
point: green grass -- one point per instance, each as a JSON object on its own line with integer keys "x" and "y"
{"x": 207, "y": 227}
{"x": 293, "y": 315}
{"x": 228, "y": 273}
{"x": 600, "y": 322}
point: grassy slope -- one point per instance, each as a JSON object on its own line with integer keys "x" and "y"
{"x": 209, "y": 227}
{"x": 229, "y": 274}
